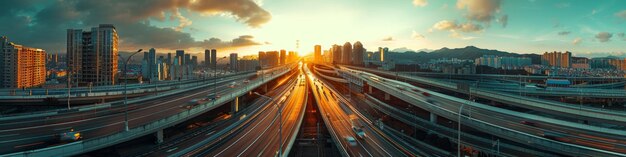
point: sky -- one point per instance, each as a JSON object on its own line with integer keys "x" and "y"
{"x": 584, "y": 27}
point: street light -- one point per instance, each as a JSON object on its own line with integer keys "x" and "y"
{"x": 125, "y": 84}
{"x": 215, "y": 77}
{"x": 458, "y": 138}
{"x": 280, "y": 125}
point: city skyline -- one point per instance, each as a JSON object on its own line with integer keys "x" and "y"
{"x": 583, "y": 28}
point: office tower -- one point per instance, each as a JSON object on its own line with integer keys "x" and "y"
{"x": 152, "y": 64}
{"x": 93, "y": 55}
{"x": 207, "y": 57}
{"x": 336, "y": 50}
{"x": 194, "y": 61}
{"x": 292, "y": 57}
{"x": 187, "y": 60}
{"x": 169, "y": 58}
{"x": 233, "y": 62}
{"x": 317, "y": 53}
{"x": 557, "y": 59}
{"x": 381, "y": 53}
{"x": 214, "y": 58}
{"x": 346, "y": 53}
{"x": 357, "y": 54}
{"x": 21, "y": 66}
{"x": 262, "y": 59}
{"x": 283, "y": 57}
{"x": 272, "y": 58}
{"x": 181, "y": 54}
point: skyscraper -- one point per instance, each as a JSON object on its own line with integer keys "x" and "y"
{"x": 181, "y": 54}
{"x": 187, "y": 60}
{"x": 152, "y": 64}
{"x": 93, "y": 56}
{"x": 272, "y": 58}
{"x": 557, "y": 59}
{"x": 21, "y": 66}
{"x": 346, "y": 55}
{"x": 207, "y": 57}
{"x": 336, "y": 51}
{"x": 283, "y": 57}
{"x": 262, "y": 59}
{"x": 214, "y": 58}
{"x": 169, "y": 59}
{"x": 357, "y": 54}
{"x": 233, "y": 62}
{"x": 317, "y": 53}
{"x": 381, "y": 53}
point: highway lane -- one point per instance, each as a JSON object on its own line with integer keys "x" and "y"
{"x": 22, "y": 138}
{"x": 212, "y": 130}
{"x": 260, "y": 137}
{"x": 340, "y": 122}
{"x": 600, "y": 141}
{"x": 555, "y": 108}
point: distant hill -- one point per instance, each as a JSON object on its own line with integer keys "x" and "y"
{"x": 469, "y": 52}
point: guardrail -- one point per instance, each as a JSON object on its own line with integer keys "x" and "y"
{"x": 101, "y": 142}
{"x": 299, "y": 123}
{"x": 105, "y": 105}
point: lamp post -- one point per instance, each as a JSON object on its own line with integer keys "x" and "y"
{"x": 458, "y": 138}
{"x": 126, "y": 84}
{"x": 280, "y": 125}
{"x": 215, "y": 77}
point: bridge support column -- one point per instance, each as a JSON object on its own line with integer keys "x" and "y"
{"x": 433, "y": 118}
{"x": 234, "y": 107}
{"x": 369, "y": 89}
{"x": 265, "y": 88}
{"x": 159, "y": 136}
{"x": 387, "y": 97}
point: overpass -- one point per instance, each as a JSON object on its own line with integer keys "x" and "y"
{"x": 157, "y": 114}
{"x": 501, "y": 122}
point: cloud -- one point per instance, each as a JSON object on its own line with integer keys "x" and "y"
{"x": 621, "y": 14}
{"x": 417, "y": 36}
{"x": 453, "y": 26}
{"x": 577, "y": 41}
{"x": 604, "y": 36}
{"x": 44, "y": 26}
{"x": 504, "y": 20}
{"x": 562, "y": 5}
{"x": 420, "y": 3}
{"x": 621, "y": 35}
{"x": 480, "y": 10}
{"x": 564, "y": 33}
{"x": 389, "y": 38}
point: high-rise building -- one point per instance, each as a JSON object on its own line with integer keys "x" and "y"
{"x": 194, "y": 61}
{"x": 503, "y": 62}
{"x": 169, "y": 59}
{"x": 262, "y": 59}
{"x": 214, "y": 58}
{"x": 317, "y": 53}
{"x": 92, "y": 56}
{"x": 152, "y": 65}
{"x": 283, "y": 57}
{"x": 21, "y": 66}
{"x": 233, "y": 62}
{"x": 336, "y": 51}
{"x": 381, "y": 53}
{"x": 557, "y": 59}
{"x": 292, "y": 57}
{"x": 187, "y": 59}
{"x": 207, "y": 57}
{"x": 357, "y": 54}
{"x": 181, "y": 54}
{"x": 346, "y": 53}
{"x": 272, "y": 58}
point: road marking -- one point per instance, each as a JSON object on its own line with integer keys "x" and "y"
{"x": 66, "y": 128}
{"x": 9, "y": 135}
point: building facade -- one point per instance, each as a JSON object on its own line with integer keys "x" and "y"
{"x": 92, "y": 56}
{"x": 557, "y": 59}
{"x": 21, "y": 66}
{"x": 233, "y": 62}
{"x": 357, "y": 54}
{"x": 317, "y": 53}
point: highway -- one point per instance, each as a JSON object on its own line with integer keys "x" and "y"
{"x": 29, "y": 134}
{"x": 214, "y": 135}
{"x": 261, "y": 137}
{"x": 567, "y": 132}
{"x": 551, "y": 107}
{"x": 340, "y": 121}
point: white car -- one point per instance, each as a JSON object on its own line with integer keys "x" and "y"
{"x": 351, "y": 140}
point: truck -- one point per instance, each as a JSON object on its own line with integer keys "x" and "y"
{"x": 357, "y": 127}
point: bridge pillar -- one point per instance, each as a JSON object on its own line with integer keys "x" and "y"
{"x": 159, "y": 136}
{"x": 370, "y": 89}
{"x": 265, "y": 88}
{"x": 387, "y": 97}
{"x": 433, "y": 118}
{"x": 234, "y": 107}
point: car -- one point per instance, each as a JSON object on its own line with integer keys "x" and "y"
{"x": 528, "y": 123}
{"x": 232, "y": 85}
{"x": 359, "y": 132}
{"x": 351, "y": 141}
{"x": 426, "y": 94}
{"x": 246, "y": 81}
